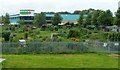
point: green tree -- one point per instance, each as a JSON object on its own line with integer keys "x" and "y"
{"x": 117, "y": 19}
{"x": 88, "y": 19}
{"x": 73, "y": 33}
{"x": 77, "y": 12}
{"x": 80, "y": 20}
{"x": 95, "y": 17}
{"x": 6, "y": 36}
{"x": 56, "y": 19}
{"x": 40, "y": 19}
{"x": 2, "y": 19}
{"x": 105, "y": 18}
{"x": 26, "y": 35}
{"x": 102, "y": 19}
{"x": 6, "y": 20}
{"x": 109, "y": 18}
{"x": 64, "y": 12}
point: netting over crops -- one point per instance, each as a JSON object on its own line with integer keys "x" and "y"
{"x": 38, "y": 47}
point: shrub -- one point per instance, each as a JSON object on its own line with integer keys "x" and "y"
{"x": 26, "y": 35}
{"x": 73, "y": 33}
{"x": 112, "y": 36}
{"x": 75, "y": 39}
{"x": 6, "y": 36}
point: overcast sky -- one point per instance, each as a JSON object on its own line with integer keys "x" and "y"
{"x": 13, "y": 6}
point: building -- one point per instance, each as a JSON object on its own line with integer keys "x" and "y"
{"x": 113, "y": 28}
{"x": 28, "y": 17}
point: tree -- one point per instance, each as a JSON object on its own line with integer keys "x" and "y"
{"x": 21, "y": 22}
{"x": 49, "y": 12}
{"x": 117, "y": 19}
{"x": 6, "y": 20}
{"x": 102, "y": 19}
{"x": 40, "y": 19}
{"x": 73, "y": 33}
{"x": 77, "y": 12}
{"x": 88, "y": 19}
{"x": 2, "y": 19}
{"x": 26, "y": 35}
{"x": 105, "y": 18}
{"x": 109, "y": 18}
{"x": 64, "y": 12}
{"x": 95, "y": 17}
{"x": 6, "y": 36}
{"x": 56, "y": 19}
{"x": 84, "y": 11}
{"x": 81, "y": 19}
{"x": 90, "y": 10}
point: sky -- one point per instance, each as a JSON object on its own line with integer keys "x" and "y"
{"x": 13, "y": 6}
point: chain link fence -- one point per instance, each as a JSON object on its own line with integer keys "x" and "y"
{"x": 47, "y": 47}
{"x": 0, "y": 45}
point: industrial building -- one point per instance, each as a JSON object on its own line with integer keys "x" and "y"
{"x": 28, "y": 17}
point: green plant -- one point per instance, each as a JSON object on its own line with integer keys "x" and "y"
{"x": 73, "y": 33}
{"x": 6, "y": 35}
{"x": 26, "y": 35}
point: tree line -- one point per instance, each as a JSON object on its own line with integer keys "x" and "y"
{"x": 94, "y": 17}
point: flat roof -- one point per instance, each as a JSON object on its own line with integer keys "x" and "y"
{"x": 27, "y": 10}
{"x": 66, "y": 17}
{"x": 16, "y": 15}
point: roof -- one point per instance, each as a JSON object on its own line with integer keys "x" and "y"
{"x": 114, "y": 26}
{"x": 16, "y": 15}
{"x": 66, "y": 17}
{"x": 27, "y": 10}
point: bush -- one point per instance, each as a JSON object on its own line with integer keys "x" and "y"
{"x": 112, "y": 36}
{"x": 42, "y": 29}
{"x": 6, "y": 36}
{"x": 11, "y": 38}
{"x": 26, "y": 35}
{"x": 73, "y": 33}
{"x": 51, "y": 28}
{"x": 12, "y": 28}
{"x": 84, "y": 31}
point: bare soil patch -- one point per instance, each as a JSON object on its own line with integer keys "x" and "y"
{"x": 114, "y": 55}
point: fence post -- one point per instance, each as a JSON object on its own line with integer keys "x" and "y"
{"x": 109, "y": 46}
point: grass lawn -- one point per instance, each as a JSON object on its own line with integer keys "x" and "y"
{"x": 87, "y": 60}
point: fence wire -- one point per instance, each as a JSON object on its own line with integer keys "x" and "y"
{"x": 38, "y": 47}
{"x": 0, "y": 46}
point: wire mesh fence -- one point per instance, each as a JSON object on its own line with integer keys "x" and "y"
{"x": 46, "y": 47}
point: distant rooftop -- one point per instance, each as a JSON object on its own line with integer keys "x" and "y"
{"x": 27, "y": 10}
{"x": 66, "y": 17}
{"x": 16, "y": 15}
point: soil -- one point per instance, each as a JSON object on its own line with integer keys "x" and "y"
{"x": 114, "y": 55}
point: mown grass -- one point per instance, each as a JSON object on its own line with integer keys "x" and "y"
{"x": 87, "y": 60}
